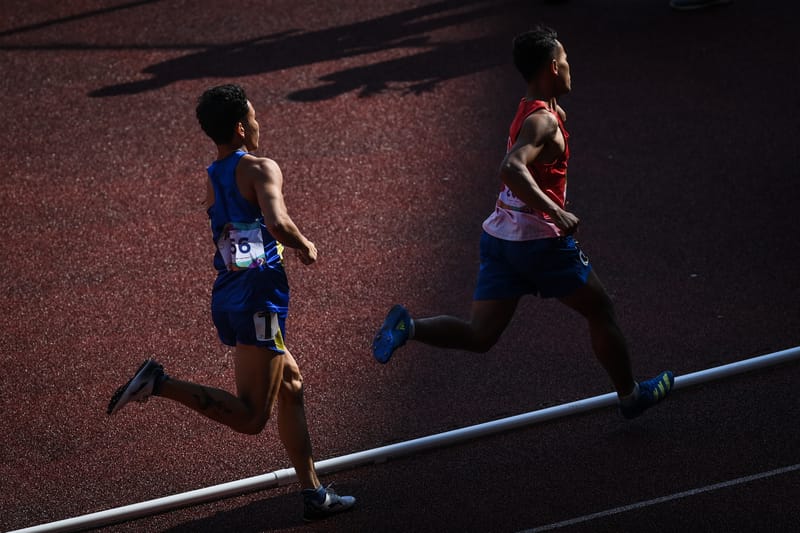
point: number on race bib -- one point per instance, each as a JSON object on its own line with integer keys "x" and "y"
{"x": 241, "y": 246}
{"x": 268, "y": 328}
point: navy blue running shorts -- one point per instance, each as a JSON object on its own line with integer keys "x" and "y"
{"x": 550, "y": 268}
{"x": 259, "y": 328}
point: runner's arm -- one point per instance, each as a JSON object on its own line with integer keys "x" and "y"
{"x": 267, "y": 180}
{"x": 536, "y": 131}
{"x": 208, "y": 201}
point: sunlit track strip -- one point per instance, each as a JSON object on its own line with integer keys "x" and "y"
{"x": 378, "y": 455}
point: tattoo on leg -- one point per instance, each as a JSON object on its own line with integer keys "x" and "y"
{"x": 205, "y": 401}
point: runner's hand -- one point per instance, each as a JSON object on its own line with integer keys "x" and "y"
{"x": 308, "y": 255}
{"x": 566, "y": 222}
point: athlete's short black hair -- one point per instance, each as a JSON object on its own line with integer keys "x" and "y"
{"x": 219, "y": 109}
{"x": 534, "y": 49}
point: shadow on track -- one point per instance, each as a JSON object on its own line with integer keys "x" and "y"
{"x": 72, "y": 18}
{"x": 436, "y": 61}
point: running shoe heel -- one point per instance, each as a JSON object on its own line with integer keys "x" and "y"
{"x": 651, "y": 392}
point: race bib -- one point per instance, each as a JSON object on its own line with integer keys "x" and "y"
{"x": 242, "y": 246}
{"x": 268, "y": 329}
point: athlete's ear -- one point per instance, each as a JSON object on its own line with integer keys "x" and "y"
{"x": 554, "y": 67}
{"x": 240, "y": 128}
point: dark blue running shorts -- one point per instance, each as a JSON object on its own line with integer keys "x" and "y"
{"x": 260, "y": 328}
{"x": 550, "y": 268}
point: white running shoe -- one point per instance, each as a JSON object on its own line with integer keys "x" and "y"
{"x": 333, "y": 504}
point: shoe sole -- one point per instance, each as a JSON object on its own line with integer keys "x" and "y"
{"x": 326, "y": 514}
{"x": 133, "y": 387}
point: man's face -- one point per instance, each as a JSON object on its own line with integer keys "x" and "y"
{"x": 563, "y": 81}
{"x": 250, "y": 129}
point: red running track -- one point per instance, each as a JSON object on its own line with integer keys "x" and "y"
{"x": 389, "y": 121}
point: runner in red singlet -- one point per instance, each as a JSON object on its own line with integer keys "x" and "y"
{"x": 527, "y": 246}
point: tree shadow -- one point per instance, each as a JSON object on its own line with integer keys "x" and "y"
{"x": 414, "y": 74}
{"x": 435, "y": 62}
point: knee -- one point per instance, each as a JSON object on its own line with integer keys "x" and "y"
{"x": 599, "y": 309}
{"x": 292, "y": 380}
{"x": 253, "y": 425}
{"x": 483, "y": 342}
{"x": 605, "y": 310}
{"x": 292, "y": 388}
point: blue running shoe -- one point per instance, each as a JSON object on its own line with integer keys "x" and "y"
{"x": 392, "y": 335}
{"x": 651, "y": 392}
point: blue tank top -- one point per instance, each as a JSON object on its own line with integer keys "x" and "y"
{"x": 248, "y": 260}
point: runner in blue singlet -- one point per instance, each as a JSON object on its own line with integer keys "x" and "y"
{"x": 250, "y": 299}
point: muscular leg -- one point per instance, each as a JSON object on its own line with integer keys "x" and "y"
{"x": 292, "y": 426}
{"x": 262, "y": 376}
{"x": 608, "y": 342}
{"x": 488, "y": 320}
{"x": 258, "y": 378}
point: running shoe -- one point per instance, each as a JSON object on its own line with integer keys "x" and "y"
{"x": 139, "y": 388}
{"x": 392, "y": 335}
{"x": 332, "y": 504}
{"x": 651, "y": 392}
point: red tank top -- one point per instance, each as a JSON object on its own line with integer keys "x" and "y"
{"x": 512, "y": 219}
{"x": 550, "y": 177}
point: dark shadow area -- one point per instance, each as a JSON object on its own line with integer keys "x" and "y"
{"x": 418, "y": 73}
{"x": 435, "y": 62}
{"x": 270, "y": 514}
{"x": 72, "y": 18}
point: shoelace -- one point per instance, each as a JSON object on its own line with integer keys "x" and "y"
{"x": 329, "y": 490}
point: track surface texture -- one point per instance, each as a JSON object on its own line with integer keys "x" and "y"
{"x": 389, "y": 120}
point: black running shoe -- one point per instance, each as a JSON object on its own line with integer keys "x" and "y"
{"x": 139, "y": 388}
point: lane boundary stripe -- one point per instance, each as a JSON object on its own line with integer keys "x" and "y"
{"x": 662, "y": 499}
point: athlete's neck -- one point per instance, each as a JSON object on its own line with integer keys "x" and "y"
{"x": 224, "y": 150}
{"x": 551, "y": 102}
